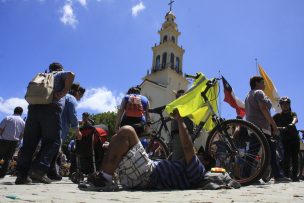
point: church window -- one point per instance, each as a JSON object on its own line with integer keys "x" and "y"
{"x": 177, "y": 64}
{"x": 157, "y": 64}
{"x": 165, "y": 38}
{"x": 173, "y": 39}
{"x": 172, "y": 61}
{"x": 164, "y": 60}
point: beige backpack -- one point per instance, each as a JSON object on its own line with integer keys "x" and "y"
{"x": 40, "y": 89}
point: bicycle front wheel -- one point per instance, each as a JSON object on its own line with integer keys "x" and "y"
{"x": 157, "y": 149}
{"x": 241, "y": 148}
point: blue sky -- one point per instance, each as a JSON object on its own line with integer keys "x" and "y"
{"x": 107, "y": 43}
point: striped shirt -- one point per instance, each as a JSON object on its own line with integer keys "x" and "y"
{"x": 177, "y": 174}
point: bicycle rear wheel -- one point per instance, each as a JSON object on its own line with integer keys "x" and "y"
{"x": 241, "y": 148}
{"x": 157, "y": 149}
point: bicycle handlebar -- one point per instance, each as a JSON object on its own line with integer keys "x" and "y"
{"x": 157, "y": 110}
{"x": 192, "y": 76}
{"x": 209, "y": 84}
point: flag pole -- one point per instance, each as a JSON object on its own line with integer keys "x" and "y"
{"x": 256, "y": 65}
{"x": 220, "y": 103}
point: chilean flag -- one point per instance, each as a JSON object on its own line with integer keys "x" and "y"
{"x": 231, "y": 99}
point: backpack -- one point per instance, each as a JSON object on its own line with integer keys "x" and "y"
{"x": 134, "y": 107}
{"x": 40, "y": 89}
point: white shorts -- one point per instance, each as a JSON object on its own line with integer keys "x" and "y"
{"x": 135, "y": 168}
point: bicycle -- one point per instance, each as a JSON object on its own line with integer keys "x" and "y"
{"x": 236, "y": 145}
{"x": 153, "y": 141}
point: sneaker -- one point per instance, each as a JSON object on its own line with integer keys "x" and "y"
{"x": 296, "y": 179}
{"x": 40, "y": 177}
{"x": 23, "y": 180}
{"x": 282, "y": 180}
{"x": 54, "y": 176}
{"x": 96, "y": 182}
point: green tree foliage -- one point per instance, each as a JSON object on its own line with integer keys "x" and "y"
{"x": 107, "y": 118}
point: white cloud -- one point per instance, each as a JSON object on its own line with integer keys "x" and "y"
{"x": 68, "y": 17}
{"x": 100, "y": 100}
{"x": 83, "y": 2}
{"x": 8, "y": 106}
{"x": 138, "y": 8}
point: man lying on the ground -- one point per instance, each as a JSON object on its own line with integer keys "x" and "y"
{"x": 135, "y": 170}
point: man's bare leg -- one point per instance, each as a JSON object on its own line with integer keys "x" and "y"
{"x": 120, "y": 144}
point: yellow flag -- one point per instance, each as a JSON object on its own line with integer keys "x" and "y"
{"x": 270, "y": 90}
{"x": 193, "y": 105}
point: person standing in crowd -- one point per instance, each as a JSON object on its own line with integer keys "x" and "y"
{"x": 290, "y": 137}
{"x": 43, "y": 124}
{"x": 133, "y": 110}
{"x": 11, "y": 130}
{"x": 86, "y": 120}
{"x": 257, "y": 108}
{"x": 69, "y": 120}
{"x": 69, "y": 114}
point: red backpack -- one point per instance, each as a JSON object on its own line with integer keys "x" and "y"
{"x": 134, "y": 107}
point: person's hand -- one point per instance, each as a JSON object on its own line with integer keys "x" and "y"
{"x": 275, "y": 130}
{"x": 176, "y": 115}
{"x": 105, "y": 145}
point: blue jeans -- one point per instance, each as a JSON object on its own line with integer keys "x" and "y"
{"x": 43, "y": 124}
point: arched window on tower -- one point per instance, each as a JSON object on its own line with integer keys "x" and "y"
{"x": 172, "y": 61}
{"x": 157, "y": 62}
{"x": 173, "y": 39}
{"x": 165, "y": 38}
{"x": 177, "y": 64}
{"x": 164, "y": 60}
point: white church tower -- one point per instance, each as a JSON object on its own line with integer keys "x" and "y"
{"x": 166, "y": 75}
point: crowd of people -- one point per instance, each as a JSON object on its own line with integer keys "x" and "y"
{"x": 47, "y": 125}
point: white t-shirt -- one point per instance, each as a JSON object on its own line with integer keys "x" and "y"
{"x": 13, "y": 127}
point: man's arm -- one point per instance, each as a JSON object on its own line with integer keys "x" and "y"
{"x": 67, "y": 85}
{"x": 72, "y": 114}
{"x": 266, "y": 113}
{"x": 119, "y": 114}
{"x": 2, "y": 125}
{"x": 295, "y": 119}
{"x": 185, "y": 138}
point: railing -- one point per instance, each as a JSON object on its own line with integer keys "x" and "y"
{"x": 167, "y": 65}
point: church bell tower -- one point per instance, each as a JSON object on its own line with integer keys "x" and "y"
{"x": 165, "y": 77}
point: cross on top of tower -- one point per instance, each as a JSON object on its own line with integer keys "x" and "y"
{"x": 171, "y": 2}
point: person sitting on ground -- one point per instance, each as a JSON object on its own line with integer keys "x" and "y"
{"x": 11, "y": 130}
{"x": 128, "y": 158}
{"x": 133, "y": 110}
{"x": 290, "y": 137}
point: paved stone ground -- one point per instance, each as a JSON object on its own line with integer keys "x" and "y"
{"x": 66, "y": 191}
